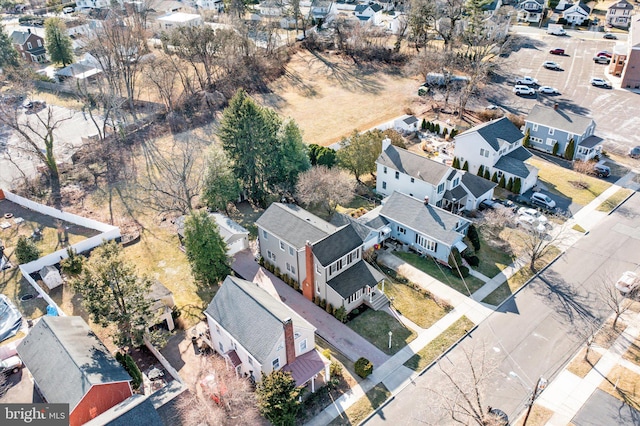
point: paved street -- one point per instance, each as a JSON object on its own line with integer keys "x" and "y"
{"x": 537, "y": 332}
{"x": 615, "y": 111}
{"x": 604, "y": 409}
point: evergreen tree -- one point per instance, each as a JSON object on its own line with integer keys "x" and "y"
{"x": 423, "y": 125}
{"x": 8, "y": 56}
{"x": 465, "y": 167}
{"x": 481, "y": 171}
{"x": 570, "y": 150}
{"x": 487, "y": 174}
{"x": 510, "y": 184}
{"x": 205, "y": 248}
{"x": 359, "y": 152}
{"x": 437, "y": 128}
{"x": 527, "y": 137}
{"x": 220, "y": 185}
{"x": 26, "y": 250}
{"x": 456, "y": 163}
{"x": 474, "y": 237}
{"x": 277, "y": 395}
{"x": 555, "y": 148}
{"x": 502, "y": 182}
{"x": 57, "y": 42}
{"x": 517, "y": 185}
{"x": 494, "y": 178}
{"x": 293, "y": 155}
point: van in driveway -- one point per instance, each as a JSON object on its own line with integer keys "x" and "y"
{"x": 538, "y": 198}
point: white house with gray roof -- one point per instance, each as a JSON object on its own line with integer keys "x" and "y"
{"x": 419, "y": 177}
{"x": 619, "y": 14}
{"x": 550, "y": 125}
{"x": 497, "y": 147}
{"x": 256, "y": 333}
{"x": 326, "y": 260}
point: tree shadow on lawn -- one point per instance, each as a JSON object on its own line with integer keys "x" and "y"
{"x": 349, "y": 79}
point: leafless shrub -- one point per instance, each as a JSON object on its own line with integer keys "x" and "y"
{"x": 326, "y": 187}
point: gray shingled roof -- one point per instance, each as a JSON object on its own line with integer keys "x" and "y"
{"x": 136, "y": 410}
{"x": 361, "y": 229}
{"x": 428, "y": 220}
{"x": 414, "y": 165}
{"x": 20, "y": 37}
{"x": 336, "y": 245}
{"x": 622, "y": 4}
{"x": 66, "y": 359}
{"x": 559, "y": 119}
{"x": 410, "y": 120}
{"x": 591, "y": 141}
{"x": 377, "y": 222}
{"x": 354, "y": 278}
{"x": 476, "y": 185}
{"x": 252, "y": 316}
{"x": 520, "y": 153}
{"x": 294, "y": 224}
{"x": 453, "y": 173}
{"x": 501, "y": 128}
{"x": 512, "y": 166}
{"x": 458, "y": 193}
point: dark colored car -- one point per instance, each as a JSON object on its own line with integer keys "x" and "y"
{"x": 601, "y": 170}
{"x": 610, "y": 36}
{"x": 557, "y": 51}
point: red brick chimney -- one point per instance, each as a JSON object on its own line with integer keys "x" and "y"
{"x": 289, "y": 340}
{"x": 308, "y": 283}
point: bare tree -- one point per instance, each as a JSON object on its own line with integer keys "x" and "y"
{"x": 326, "y": 187}
{"x": 220, "y": 397}
{"x": 163, "y": 75}
{"x": 536, "y": 242}
{"x": 37, "y": 132}
{"x": 612, "y": 298}
{"x": 494, "y": 221}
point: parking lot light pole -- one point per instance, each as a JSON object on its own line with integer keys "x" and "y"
{"x": 390, "y": 334}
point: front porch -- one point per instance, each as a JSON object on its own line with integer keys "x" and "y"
{"x": 306, "y": 368}
{"x": 358, "y": 285}
{"x": 589, "y": 148}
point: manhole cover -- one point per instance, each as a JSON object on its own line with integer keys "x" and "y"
{"x": 26, "y": 297}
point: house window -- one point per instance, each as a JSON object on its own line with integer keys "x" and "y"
{"x": 482, "y": 150}
{"x": 534, "y": 127}
{"x": 536, "y": 140}
{"x": 221, "y": 346}
{"x": 271, "y": 255}
{"x": 397, "y": 175}
{"x": 29, "y": 46}
{"x": 551, "y": 142}
{"x": 275, "y": 363}
{"x": 291, "y": 251}
{"x": 412, "y": 180}
{"x": 39, "y": 43}
{"x": 303, "y": 345}
{"x": 551, "y": 131}
{"x": 426, "y": 243}
{"x": 440, "y": 188}
{"x": 384, "y": 169}
{"x": 456, "y": 181}
{"x": 281, "y": 246}
{"x": 265, "y": 235}
{"x": 318, "y": 269}
{"x": 486, "y": 153}
{"x": 288, "y": 267}
{"x": 384, "y": 185}
{"x": 293, "y": 269}
{"x": 250, "y": 360}
{"x": 401, "y": 230}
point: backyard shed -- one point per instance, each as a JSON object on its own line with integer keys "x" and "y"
{"x": 51, "y": 276}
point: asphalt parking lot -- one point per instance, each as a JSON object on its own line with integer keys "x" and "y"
{"x": 614, "y": 110}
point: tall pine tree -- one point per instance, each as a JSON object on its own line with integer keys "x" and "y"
{"x": 8, "y": 55}
{"x": 57, "y": 41}
{"x": 205, "y": 248}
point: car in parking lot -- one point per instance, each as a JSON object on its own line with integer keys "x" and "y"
{"x": 13, "y": 364}
{"x": 550, "y": 65}
{"x": 524, "y": 90}
{"x": 600, "y": 82}
{"x": 610, "y": 36}
{"x": 601, "y": 60}
{"x": 527, "y": 81}
{"x": 557, "y": 51}
{"x": 601, "y": 170}
{"x": 634, "y": 152}
{"x": 548, "y": 90}
{"x": 540, "y": 199}
{"x": 604, "y": 53}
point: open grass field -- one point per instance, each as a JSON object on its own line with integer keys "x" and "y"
{"x": 329, "y": 96}
{"x": 362, "y": 407}
{"x": 375, "y": 327}
{"x": 418, "y": 307}
{"x": 579, "y": 188}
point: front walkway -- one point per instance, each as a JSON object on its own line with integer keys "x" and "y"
{"x": 347, "y": 341}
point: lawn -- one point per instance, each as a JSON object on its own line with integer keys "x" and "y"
{"x": 612, "y": 202}
{"x": 579, "y": 188}
{"x": 623, "y": 384}
{"x": 439, "y": 345}
{"x": 493, "y": 260}
{"x": 419, "y": 307}
{"x": 363, "y": 407}
{"x": 375, "y": 327}
{"x": 441, "y": 272}
{"x": 633, "y": 353}
{"x": 539, "y": 416}
{"x": 580, "y": 366}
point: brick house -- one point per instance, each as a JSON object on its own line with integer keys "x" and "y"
{"x": 30, "y": 46}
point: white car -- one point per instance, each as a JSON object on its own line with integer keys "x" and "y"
{"x": 627, "y": 283}
{"x": 550, "y": 65}
{"x": 527, "y": 81}
{"x": 528, "y": 211}
{"x": 543, "y": 200}
{"x": 13, "y": 364}
{"x": 548, "y": 90}
{"x": 531, "y": 222}
{"x": 523, "y": 90}
{"x": 600, "y": 82}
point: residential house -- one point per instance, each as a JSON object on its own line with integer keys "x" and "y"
{"x": 69, "y": 364}
{"x": 387, "y": 5}
{"x": 406, "y": 123}
{"x": 86, "y": 68}
{"x": 234, "y": 235}
{"x": 215, "y": 5}
{"x": 577, "y": 13}
{"x": 179, "y": 19}
{"x": 92, "y": 4}
{"x": 271, "y": 8}
{"x": 497, "y": 147}
{"x": 257, "y": 334}
{"x": 404, "y": 171}
{"x": 619, "y": 14}
{"x": 372, "y": 231}
{"x": 530, "y": 10}
{"x": 326, "y": 260}
{"x": 422, "y": 226}
{"x": 549, "y": 126}
{"x": 137, "y": 410}
{"x": 29, "y": 46}
{"x": 369, "y": 13}
{"x": 563, "y": 5}
{"x": 323, "y": 10}
{"x": 625, "y": 62}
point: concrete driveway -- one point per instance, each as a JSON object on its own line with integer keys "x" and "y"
{"x": 19, "y": 389}
{"x": 347, "y": 341}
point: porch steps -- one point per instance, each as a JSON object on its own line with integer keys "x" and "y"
{"x": 378, "y": 300}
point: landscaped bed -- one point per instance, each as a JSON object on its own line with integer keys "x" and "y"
{"x": 375, "y": 326}
{"x": 441, "y": 273}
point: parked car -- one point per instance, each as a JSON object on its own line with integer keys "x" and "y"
{"x": 601, "y": 60}
{"x": 634, "y": 152}
{"x": 604, "y": 53}
{"x": 34, "y": 106}
{"x": 67, "y": 10}
{"x": 610, "y": 36}
{"x": 548, "y": 90}
{"x": 524, "y": 90}
{"x": 627, "y": 282}
{"x": 534, "y": 220}
{"x": 13, "y": 364}
{"x": 601, "y": 170}
{"x": 557, "y": 51}
{"x": 599, "y": 82}
{"x": 538, "y": 198}
{"x": 527, "y": 81}
{"x": 550, "y": 65}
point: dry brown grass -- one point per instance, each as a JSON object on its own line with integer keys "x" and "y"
{"x": 623, "y": 384}
{"x": 581, "y": 367}
{"x": 329, "y": 96}
{"x": 538, "y": 417}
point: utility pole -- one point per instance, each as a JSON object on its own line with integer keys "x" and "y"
{"x": 540, "y": 385}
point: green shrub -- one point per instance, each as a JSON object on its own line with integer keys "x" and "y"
{"x": 502, "y": 182}
{"x": 465, "y": 166}
{"x": 464, "y": 271}
{"x": 329, "y": 308}
{"x": 494, "y": 178}
{"x": 323, "y": 303}
{"x": 510, "y": 185}
{"x": 473, "y": 260}
{"x": 363, "y": 367}
{"x": 481, "y": 171}
{"x": 129, "y": 364}
{"x": 555, "y": 148}
{"x": 335, "y": 369}
{"x": 472, "y": 234}
{"x": 517, "y": 185}
{"x": 26, "y": 250}
{"x": 340, "y": 314}
{"x": 487, "y": 174}
{"x": 261, "y": 261}
{"x": 326, "y": 353}
{"x": 423, "y": 126}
